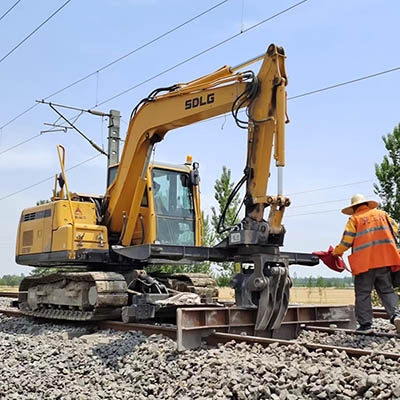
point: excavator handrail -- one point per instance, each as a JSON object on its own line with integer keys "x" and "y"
{"x": 61, "y": 157}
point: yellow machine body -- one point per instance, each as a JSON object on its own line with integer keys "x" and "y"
{"x": 64, "y": 231}
{"x": 51, "y": 233}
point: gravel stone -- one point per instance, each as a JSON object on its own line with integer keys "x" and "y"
{"x": 71, "y": 362}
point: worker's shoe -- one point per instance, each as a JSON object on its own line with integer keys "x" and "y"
{"x": 367, "y": 328}
{"x": 396, "y": 322}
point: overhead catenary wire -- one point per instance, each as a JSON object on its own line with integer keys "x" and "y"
{"x": 309, "y": 213}
{"x": 34, "y": 31}
{"x": 316, "y": 91}
{"x": 297, "y": 96}
{"x": 291, "y": 194}
{"x": 345, "y": 83}
{"x": 243, "y": 31}
{"x": 10, "y": 9}
{"x": 46, "y": 179}
{"x": 117, "y": 60}
{"x": 19, "y": 144}
{"x": 331, "y": 187}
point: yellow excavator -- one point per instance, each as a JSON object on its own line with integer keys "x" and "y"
{"x": 151, "y": 213}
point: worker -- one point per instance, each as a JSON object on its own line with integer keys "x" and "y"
{"x": 371, "y": 233}
{"x": 158, "y": 201}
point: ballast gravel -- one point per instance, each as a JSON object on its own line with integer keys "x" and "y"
{"x": 49, "y": 361}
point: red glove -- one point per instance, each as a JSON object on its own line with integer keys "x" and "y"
{"x": 335, "y": 263}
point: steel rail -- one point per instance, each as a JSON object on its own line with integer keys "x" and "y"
{"x": 350, "y": 331}
{"x": 9, "y": 294}
{"x": 11, "y": 313}
{"x": 219, "y": 337}
{"x": 147, "y": 329}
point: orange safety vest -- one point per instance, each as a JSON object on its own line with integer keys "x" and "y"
{"x": 374, "y": 245}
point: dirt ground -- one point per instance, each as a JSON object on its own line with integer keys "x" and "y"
{"x": 8, "y": 288}
{"x": 297, "y": 295}
{"x": 308, "y": 295}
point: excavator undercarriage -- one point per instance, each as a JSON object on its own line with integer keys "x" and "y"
{"x": 135, "y": 295}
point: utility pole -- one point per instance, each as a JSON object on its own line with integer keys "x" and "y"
{"x": 113, "y": 145}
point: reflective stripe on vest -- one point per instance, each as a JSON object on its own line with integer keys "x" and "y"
{"x": 372, "y": 242}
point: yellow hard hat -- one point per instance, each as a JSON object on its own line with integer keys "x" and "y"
{"x": 356, "y": 200}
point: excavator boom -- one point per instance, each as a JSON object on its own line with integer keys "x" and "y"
{"x": 215, "y": 94}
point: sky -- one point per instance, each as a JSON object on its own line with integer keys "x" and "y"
{"x": 333, "y": 140}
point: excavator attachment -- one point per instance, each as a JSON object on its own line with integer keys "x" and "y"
{"x": 263, "y": 283}
{"x": 273, "y": 301}
{"x": 265, "y": 287}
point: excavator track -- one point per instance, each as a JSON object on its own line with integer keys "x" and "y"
{"x": 74, "y": 296}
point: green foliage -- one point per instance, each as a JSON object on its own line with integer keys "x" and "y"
{"x": 223, "y": 280}
{"x": 11, "y": 280}
{"x": 376, "y": 301}
{"x": 320, "y": 282}
{"x": 223, "y": 188}
{"x": 204, "y": 268}
{"x": 388, "y": 188}
{"x": 40, "y": 202}
{"x": 388, "y": 175}
{"x": 209, "y": 237}
{"x": 339, "y": 283}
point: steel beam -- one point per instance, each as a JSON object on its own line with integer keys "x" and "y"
{"x": 157, "y": 253}
{"x": 194, "y": 324}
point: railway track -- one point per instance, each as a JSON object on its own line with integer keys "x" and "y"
{"x": 13, "y": 295}
{"x": 213, "y": 337}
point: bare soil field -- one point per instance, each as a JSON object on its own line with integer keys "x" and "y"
{"x": 303, "y": 295}
{"x": 300, "y": 295}
{"x": 8, "y": 288}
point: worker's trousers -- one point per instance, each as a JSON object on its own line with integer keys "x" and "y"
{"x": 381, "y": 280}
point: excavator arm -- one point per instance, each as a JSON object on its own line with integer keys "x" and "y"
{"x": 255, "y": 240}
{"x": 225, "y": 90}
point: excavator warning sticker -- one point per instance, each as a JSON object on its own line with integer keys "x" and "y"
{"x": 78, "y": 214}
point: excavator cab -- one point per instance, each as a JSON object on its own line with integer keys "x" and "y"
{"x": 173, "y": 207}
{"x": 170, "y": 207}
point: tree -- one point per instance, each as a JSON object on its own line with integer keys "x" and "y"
{"x": 208, "y": 239}
{"x": 388, "y": 175}
{"x": 11, "y": 280}
{"x": 40, "y": 202}
{"x": 223, "y": 188}
{"x": 320, "y": 282}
